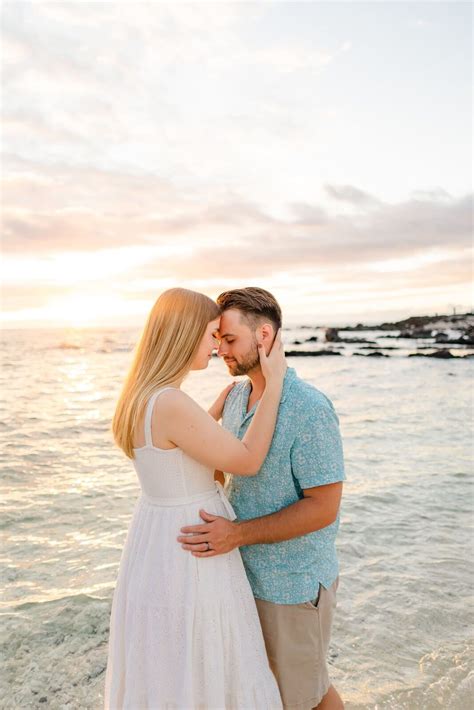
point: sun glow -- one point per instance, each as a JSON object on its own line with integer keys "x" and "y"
{"x": 90, "y": 308}
{"x": 82, "y": 310}
{"x": 73, "y": 268}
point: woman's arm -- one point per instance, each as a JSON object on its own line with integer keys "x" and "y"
{"x": 187, "y": 425}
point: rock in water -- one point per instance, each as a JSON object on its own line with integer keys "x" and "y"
{"x": 332, "y": 335}
{"x": 443, "y": 354}
{"x": 309, "y": 353}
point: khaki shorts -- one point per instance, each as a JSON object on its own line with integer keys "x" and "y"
{"x": 297, "y": 641}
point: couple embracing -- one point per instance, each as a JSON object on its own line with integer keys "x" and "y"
{"x": 225, "y": 598}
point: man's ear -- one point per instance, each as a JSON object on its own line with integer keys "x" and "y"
{"x": 267, "y": 333}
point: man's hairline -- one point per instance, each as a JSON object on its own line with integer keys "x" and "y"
{"x": 244, "y": 316}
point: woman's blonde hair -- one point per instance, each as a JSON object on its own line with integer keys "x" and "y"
{"x": 164, "y": 354}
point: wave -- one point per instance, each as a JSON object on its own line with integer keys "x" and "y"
{"x": 69, "y": 346}
{"x": 78, "y": 600}
{"x": 104, "y": 349}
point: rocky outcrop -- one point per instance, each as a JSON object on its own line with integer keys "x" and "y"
{"x": 461, "y": 321}
{"x": 415, "y": 333}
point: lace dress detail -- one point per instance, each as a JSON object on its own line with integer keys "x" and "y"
{"x": 184, "y": 631}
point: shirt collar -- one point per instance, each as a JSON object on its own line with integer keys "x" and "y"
{"x": 290, "y": 376}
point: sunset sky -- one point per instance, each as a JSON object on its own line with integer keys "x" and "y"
{"x": 321, "y": 150}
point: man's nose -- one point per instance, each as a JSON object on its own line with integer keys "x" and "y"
{"x": 221, "y": 350}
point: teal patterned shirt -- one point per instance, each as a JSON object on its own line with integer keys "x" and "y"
{"x": 306, "y": 451}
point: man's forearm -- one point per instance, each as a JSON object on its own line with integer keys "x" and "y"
{"x": 300, "y": 518}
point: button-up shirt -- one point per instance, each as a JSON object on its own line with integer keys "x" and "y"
{"x": 306, "y": 451}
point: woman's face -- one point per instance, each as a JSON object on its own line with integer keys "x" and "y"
{"x": 208, "y": 344}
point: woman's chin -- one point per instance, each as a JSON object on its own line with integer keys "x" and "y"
{"x": 200, "y": 366}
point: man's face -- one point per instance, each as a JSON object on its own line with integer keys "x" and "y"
{"x": 238, "y": 343}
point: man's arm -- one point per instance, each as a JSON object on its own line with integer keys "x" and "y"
{"x": 318, "y": 509}
{"x": 318, "y": 466}
{"x": 217, "y": 408}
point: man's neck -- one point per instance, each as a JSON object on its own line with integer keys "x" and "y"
{"x": 258, "y": 385}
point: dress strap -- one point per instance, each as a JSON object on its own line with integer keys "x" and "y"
{"x": 149, "y": 412}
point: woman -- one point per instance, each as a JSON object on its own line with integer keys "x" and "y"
{"x": 184, "y": 631}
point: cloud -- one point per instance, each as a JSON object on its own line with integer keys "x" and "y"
{"x": 292, "y": 58}
{"x": 60, "y": 209}
{"x": 168, "y": 33}
{"x": 160, "y": 90}
{"x": 326, "y": 244}
{"x": 350, "y": 194}
{"x": 201, "y": 135}
{"x": 64, "y": 229}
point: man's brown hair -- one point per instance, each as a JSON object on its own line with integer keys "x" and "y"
{"x": 254, "y": 303}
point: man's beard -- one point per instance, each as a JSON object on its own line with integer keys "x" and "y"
{"x": 250, "y": 361}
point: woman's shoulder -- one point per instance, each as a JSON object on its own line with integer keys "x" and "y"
{"x": 175, "y": 402}
{"x": 172, "y": 396}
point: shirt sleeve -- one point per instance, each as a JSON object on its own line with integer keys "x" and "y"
{"x": 230, "y": 420}
{"x": 317, "y": 454}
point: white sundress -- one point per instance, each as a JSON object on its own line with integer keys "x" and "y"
{"x": 184, "y": 631}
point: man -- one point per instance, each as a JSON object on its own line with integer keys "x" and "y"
{"x": 288, "y": 514}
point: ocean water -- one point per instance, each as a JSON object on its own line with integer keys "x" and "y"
{"x": 403, "y": 633}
